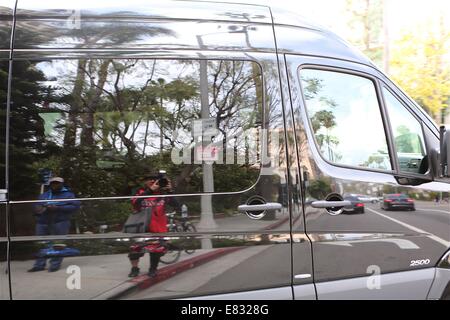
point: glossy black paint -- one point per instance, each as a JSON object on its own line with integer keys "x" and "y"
{"x": 178, "y": 33}
{"x": 275, "y": 252}
{"x": 243, "y": 265}
{"x": 345, "y": 246}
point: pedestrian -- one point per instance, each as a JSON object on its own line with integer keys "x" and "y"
{"x": 155, "y": 184}
{"x": 53, "y": 218}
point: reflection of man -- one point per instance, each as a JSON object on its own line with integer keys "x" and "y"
{"x": 53, "y": 218}
{"x": 155, "y": 184}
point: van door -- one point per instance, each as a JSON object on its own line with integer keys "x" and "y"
{"x": 198, "y": 97}
{"x": 6, "y": 23}
{"x": 4, "y": 72}
{"x": 372, "y": 212}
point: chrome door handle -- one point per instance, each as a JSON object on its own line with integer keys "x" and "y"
{"x": 260, "y": 207}
{"x": 3, "y": 195}
{"x": 330, "y": 204}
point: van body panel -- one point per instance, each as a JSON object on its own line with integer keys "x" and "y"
{"x": 150, "y": 35}
{"x": 249, "y": 254}
{"x": 318, "y": 43}
{"x": 6, "y": 24}
{"x": 4, "y": 278}
{"x": 441, "y": 285}
{"x": 348, "y": 245}
{"x": 139, "y": 9}
{"x": 93, "y": 73}
{"x": 234, "y": 263}
{"x": 170, "y": 25}
{"x": 411, "y": 285}
{"x": 269, "y": 294}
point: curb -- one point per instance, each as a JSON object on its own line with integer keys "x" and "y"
{"x": 144, "y": 282}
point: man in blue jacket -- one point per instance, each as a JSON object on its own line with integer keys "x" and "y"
{"x": 53, "y": 218}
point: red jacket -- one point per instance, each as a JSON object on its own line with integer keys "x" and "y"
{"x": 158, "y": 222}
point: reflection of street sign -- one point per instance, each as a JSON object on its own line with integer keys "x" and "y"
{"x": 209, "y": 126}
{"x": 44, "y": 175}
{"x": 208, "y": 153}
{"x": 204, "y": 127}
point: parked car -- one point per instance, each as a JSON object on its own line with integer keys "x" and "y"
{"x": 397, "y": 201}
{"x": 357, "y": 206}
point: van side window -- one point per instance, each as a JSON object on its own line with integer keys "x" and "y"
{"x": 104, "y": 124}
{"x": 344, "y": 113}
{"x": 408, "y": 137}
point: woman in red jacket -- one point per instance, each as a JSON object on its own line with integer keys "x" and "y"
{"x": 158, "y": 222}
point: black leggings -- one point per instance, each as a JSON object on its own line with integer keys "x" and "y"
{"x": 154, "y": 258}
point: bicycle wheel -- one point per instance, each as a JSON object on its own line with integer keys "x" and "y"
{"x": 188, "y": 227}
{"x": 172, "y": 255}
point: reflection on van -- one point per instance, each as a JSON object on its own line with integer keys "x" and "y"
{"x": 210, "y": 152}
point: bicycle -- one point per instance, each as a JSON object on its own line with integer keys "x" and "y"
{"x": 173, "y": 252}
{"x": 179, "y": 225}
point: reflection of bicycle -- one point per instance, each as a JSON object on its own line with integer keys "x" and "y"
{"x": 179, "y": 225}
{"x": 174, "y": 248}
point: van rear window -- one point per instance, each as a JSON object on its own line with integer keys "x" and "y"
{"x": 106, "y": 124}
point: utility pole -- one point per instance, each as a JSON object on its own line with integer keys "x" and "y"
{"x": 207, "y": 222}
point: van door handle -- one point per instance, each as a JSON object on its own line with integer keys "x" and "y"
{"x": 3, "y": 195}
{"x": 330, "y": 204}
{"x": 260, "y": 207}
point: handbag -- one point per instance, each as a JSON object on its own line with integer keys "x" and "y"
{"x": 138, "y": 222}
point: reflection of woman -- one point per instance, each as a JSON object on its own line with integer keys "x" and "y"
{"x": 154, "y": 185}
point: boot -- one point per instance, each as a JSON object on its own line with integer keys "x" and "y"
{"x": 152, "y": 273}
{"x": 134, "y": 272}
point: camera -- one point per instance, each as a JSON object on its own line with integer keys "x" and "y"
{"x": 162, "y": 179}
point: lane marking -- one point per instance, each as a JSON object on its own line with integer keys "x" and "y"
{"x": 436, "y": 210}
{"x": 401, "y": 243}
{"x": 431, "y": 236}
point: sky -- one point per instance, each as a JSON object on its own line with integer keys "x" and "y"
{"x": 403, "y": 14}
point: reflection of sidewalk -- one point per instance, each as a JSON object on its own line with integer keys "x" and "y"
{"x": 105, "y": 276}
{"x": 166, "y": 272}
{"x": 98, "y": 274}
{"x": 101, "y": 276}
{"x": 239, "y": 223}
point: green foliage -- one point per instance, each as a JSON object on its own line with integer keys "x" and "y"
{"x": 419, "y": 64}
{"x": 366, "y": 22}
{"x": 319, "y": 188}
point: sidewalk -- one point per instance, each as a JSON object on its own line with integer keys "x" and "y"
{"x": 144, "y": 282}
{"x": 102, "y": 277}
{"x": 105, "y": 276}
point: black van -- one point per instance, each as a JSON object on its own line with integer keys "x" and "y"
{"x": 226, "y": 136}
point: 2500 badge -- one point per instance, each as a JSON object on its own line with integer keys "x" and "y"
{"x": 423, "y": 262}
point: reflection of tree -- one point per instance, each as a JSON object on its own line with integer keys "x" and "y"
{"x": 324, "y": 118}
{"x": 27, "y": 142}
{"x": 235, "y": 103}
{"x": 90, "y": 35}
{"x": 319, "y": 188}
{"x": 123, "y": 114}
{"x": 232, "y": 81}
{"x": 327, "y": 120}
{"x": 407, "y": 141}
{"x": 380, "y": 160}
